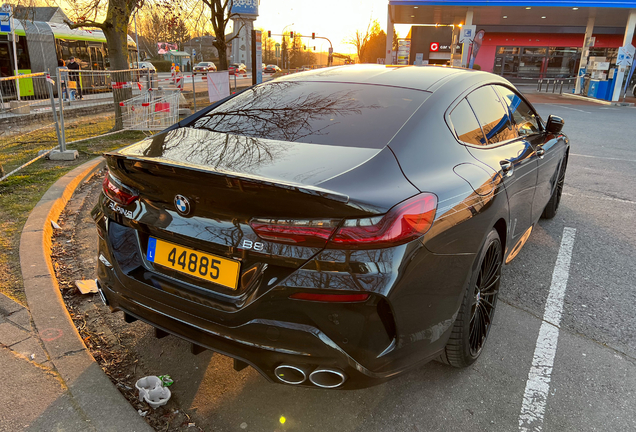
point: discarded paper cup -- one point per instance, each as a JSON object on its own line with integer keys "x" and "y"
{"x": 145, "y": 384}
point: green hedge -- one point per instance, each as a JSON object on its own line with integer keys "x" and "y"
{"x": 162, "y": 65}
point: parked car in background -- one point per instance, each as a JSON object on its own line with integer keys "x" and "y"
{"x": 204, "y": 67}
{"x": 145, "y": 68}
{"x": 632, "y": 86}
{"x": 237, "y": 68}
{"x": 332, "y": 254}
{"x": 272, "y": 69}
{"x": 144, "y": 65}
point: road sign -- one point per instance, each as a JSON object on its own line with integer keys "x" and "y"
{"x": 5, "y": 22}
{"x": 467, "y": 34}
{"x": 277, "y": 46}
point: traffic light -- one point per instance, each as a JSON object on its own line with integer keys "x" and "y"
{"x": 291, "y": 35}
{"x": 313, "y": 35}
{"x": 304, "y": 47}
{"x": 269, "y": 33}
{"x": 314, "y": 48}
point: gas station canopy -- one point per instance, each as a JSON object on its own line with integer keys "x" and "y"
{"x": 567, "y": 15}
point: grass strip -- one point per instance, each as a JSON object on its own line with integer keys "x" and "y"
{"x": 21, "y": 192}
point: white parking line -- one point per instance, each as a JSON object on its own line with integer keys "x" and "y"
{"x": 603, "y": 157}
{"x": 574, "y": 109}
{"x": 538, "y": 384}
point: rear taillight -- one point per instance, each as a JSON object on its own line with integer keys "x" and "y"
{"x": 307, "y": 232}
{"x": 406, "y": 221}
{"x": 330, "y": 298}
{"x": 117, "y": 191}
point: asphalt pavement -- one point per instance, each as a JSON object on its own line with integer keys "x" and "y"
{"x": 588, "y": 384}
{"x": 561, "y": 355}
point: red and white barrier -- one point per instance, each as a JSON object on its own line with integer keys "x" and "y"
{"x": 179, "y": 81}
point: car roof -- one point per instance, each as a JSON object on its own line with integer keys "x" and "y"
{"x": 415, "y": 77}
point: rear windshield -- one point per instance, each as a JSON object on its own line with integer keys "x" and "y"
{"x": 352, "y": 115}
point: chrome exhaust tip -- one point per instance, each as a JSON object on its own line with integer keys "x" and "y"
{"x": 290, "y": 374}
{"x": 327, "y": 377}
{"x": 101, "y": 292}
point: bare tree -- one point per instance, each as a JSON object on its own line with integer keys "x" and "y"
{"x": 114, "y": 24}
{"x": 116, "y": 17}
{"x": 220, "y": 15}
{"x": 360, "y": 39}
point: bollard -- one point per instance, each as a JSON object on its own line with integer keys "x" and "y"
{"x": 172, "y": 74}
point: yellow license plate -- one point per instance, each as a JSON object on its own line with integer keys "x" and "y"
{"x": 195, "y": 263}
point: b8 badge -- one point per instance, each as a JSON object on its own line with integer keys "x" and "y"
{"x": 249, "y": 244}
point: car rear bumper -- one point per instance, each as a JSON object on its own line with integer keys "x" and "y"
{"x": 369, "y": 341}
{"x": 258, "y": 343}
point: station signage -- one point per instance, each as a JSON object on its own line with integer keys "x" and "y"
{"x": 5, "y": 22}
{"x": 438, "y": 47}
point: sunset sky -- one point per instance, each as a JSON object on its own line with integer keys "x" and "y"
{"x": 334, "y": 19}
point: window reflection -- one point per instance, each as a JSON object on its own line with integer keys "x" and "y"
{"x": 351, "y": 115}
{"x": 491, "y": 115}
{"x": 466, "y": 126}
{"x": 524, "y": 117}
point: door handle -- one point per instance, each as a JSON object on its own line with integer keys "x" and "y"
{"x": 507, "y": 167}
{"x": 541, "y": 153}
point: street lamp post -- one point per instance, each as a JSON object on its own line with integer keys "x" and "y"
{"x": 283, "y": 47}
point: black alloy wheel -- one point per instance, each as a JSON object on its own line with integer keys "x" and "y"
{"x": 552, "y": 206}
{"x": 475, "y": 316}
{"x": 485, "y": 298}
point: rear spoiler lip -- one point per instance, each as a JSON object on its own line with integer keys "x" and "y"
{"x": 306, "y": 189}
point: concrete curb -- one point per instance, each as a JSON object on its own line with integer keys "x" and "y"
{"x": 598, "y": 101}
{"x": 91, "y": 389}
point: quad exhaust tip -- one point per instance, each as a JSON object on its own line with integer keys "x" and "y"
{"x": 327, "y": 377}
{"x": 290, "y": 374}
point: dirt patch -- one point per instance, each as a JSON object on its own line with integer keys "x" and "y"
{"x": 110, "y": 340}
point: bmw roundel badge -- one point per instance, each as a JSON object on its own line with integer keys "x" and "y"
{"x": 182, "y": 205}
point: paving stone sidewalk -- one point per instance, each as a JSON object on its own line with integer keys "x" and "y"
{"x": 34, "y": 397}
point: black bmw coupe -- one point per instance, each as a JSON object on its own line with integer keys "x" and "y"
{"x": 332, "y": 228}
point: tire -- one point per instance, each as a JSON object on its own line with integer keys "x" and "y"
{"x": 477, "y": 310}
{"x": 552, "y": 206}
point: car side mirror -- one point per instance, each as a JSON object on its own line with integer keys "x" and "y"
{"x": 554, "y": 125}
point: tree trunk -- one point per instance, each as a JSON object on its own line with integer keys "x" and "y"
{"x": 221, "y": 47}
{"x": 116, "y": 32}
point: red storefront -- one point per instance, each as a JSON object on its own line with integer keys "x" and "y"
{"x": 540, "y": 55}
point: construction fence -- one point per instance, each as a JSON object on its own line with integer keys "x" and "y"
{"x": 33, "y": 122}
